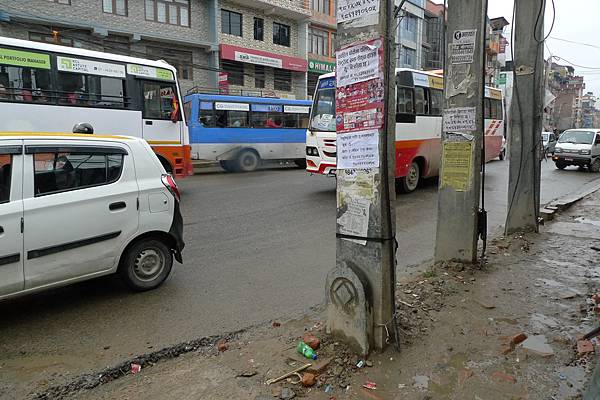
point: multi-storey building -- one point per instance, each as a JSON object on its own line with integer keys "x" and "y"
{"x": 568, "y": 90}
{"x": 495, "y": 49}
{"x": 409, "y": 35}
{"x": 433, "y": 36}
{"x": 263, "y": 46}
{"x": 589, "y": 111}
{"x": 181, "y": 32}
{"x": 321, "y": 41}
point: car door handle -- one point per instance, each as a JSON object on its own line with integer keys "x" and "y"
{"x": 117, "y": 205}
{"x": 149, "y": 122}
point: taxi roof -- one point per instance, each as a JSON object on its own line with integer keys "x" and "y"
{"x": 59, "y": 135}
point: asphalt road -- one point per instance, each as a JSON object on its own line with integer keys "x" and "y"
{"x": 259, "y": 246}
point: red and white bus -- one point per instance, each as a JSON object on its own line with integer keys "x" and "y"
{"x": 419, "y": 102}
{"x": 51, "y": 88}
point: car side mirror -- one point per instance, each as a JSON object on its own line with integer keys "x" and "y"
{"x": 83, "y": 127}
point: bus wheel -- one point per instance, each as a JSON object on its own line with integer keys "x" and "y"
{"x": 247, "y": 161}
{"x": 409, "y": 183}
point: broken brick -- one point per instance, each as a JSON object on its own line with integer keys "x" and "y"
{"x": 319, "y": 367}
{"x": 517, "y": 339}
{"x": 311, "y": 340}
{"x": 596, "y": 298}
{"x": 276, "y": 324}
{"x": 308, "y": 379}
{"x": 584, "y": 347}
{"x": 463, "y": 375}
{"x": 222, "y": 345}
{"x": 501, "y": 377}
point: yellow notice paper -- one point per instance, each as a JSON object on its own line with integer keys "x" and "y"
{"x": 457, "y": 163}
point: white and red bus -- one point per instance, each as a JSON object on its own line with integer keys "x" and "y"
{"x": 419, "y": 102}
{"x": 51, "y": 88}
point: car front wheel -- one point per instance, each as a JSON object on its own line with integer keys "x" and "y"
{"x": 560, "y": 165}
{"x": 146, "y": 264}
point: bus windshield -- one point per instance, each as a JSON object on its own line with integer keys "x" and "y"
{"x": 577, "y": 137}
{"x": 323, "y": 117}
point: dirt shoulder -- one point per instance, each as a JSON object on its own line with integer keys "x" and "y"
{"x": 456, "y": 328}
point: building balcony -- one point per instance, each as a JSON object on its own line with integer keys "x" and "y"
{"x": 292, "y": 9}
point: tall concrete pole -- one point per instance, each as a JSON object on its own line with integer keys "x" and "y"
{"x": 526, "y": 116}
{"x": 462, "y": 132}
{"x": 360, "y": 289}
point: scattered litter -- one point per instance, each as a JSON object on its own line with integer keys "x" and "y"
{"x": 360, "y": 364}
{"x": 369, "y": 363}
{"x": 276, "y": 324}
{"x": 247, "y": 374}
{"x": 287, "y": 375}
{"x": 401, "y": 386}
{"x": 538, "y": 344}
{"x": 311, "y": 340}
{"x": 595, "y": 248}
{"x": 485, "y": 305}
{"x": 421, "y": 381}
{"x": 584, "y": 347}
{"x": 593, "y": 333}
{"x": 287, "y": 394}
{"x": 319, "y": 367}
{"x": 518, "y": 339}
{"x": 328, "y": 388}
{"x": 306, "y": 351}
{"x": 308, "y": 379}
{"x": 370, "y": 385}
{"x": 135, "y": 368}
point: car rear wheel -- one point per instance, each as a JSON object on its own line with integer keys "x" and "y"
{"x": 247, "y": 161}
{"x": 146, "y": 264}
{"x": 409, "y": 183}
{"x": 560, "y": 165}
{"x": 595, "y": 165}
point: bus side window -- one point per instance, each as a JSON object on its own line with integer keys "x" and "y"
{"x": 237, "y": 119}
{"x": 206, "y": 115}
{"x": 303, "y": 120}
{"x": 436, "y": 97}
{"x": 25, "y": 84}
{"x": 290, "y": 120}
{"x": 421, "y": 102}
{"x": 405, "y": 101}
{"x": 498, "y": 106}
{"x": 158, "y": 100}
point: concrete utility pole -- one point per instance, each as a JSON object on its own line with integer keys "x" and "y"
{"x": 360, "y": 289}
{"x": 526, "y": 116}
{"x": 462, "y": 132}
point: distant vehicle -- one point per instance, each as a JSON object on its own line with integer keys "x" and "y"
{"x": 549, "y": 142}
{"x": 579, "y": 147}
{"x": 240, "y": 132}
{"x": 76, "y": 207}
{"x": 419, "y": 102}
{"x": 51, "y": 88}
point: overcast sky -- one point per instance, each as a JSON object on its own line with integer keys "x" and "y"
{"x": 576, "y": 21}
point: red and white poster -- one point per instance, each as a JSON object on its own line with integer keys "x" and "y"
{"x": 223, "y": 83}
{"x": 360, "y": 87}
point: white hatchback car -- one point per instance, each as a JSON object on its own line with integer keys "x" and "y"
{"x": 74, "y": 207}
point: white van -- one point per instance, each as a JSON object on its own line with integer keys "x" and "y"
{"x": 579, "y": 147}
{"x": 75, "y": 207}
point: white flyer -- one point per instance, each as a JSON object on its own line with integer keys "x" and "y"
{"x": 358, "y": 149}
{"x": 462, "y": 48}
{"x": 358, "y": 63}
{"x": 348, "y": 10}
{"x": 355, "y": 220}
{"x": 459, "y": 119}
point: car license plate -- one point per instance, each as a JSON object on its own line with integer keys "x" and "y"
{"x": 568, "y": 159}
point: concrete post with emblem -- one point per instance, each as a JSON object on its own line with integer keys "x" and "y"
{"x": 526, "y": 118}
{"x": 462, "y": 132}
{"x": 360, "y": 290}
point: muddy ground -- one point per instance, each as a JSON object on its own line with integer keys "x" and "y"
{"x": 455, "y": 324}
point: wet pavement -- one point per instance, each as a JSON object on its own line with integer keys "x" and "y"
{"x": 246, "y": 236}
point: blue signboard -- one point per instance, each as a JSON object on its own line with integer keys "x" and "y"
{"x": 267, "y": 108}
{"x": 327, "y": 83}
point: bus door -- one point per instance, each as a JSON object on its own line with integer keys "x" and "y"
{"x": 162, "y": 114}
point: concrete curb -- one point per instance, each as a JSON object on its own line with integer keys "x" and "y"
{"x": 562, "y": 203}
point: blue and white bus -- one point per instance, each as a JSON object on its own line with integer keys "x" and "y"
{"x": 240, "y": 131}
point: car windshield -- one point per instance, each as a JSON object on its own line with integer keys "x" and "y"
{"x": 545, "y": 137}
{"x": 578, "y": 137}
{"x": 323, "y": 117}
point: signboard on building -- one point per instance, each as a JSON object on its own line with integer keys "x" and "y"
{"x": 223, "y": 83}
{"x": 260, "y": 57}
{"x": 321, "y": 67}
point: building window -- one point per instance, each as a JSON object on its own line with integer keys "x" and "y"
{"x": 259, "y": 29}
{"x": 318, "y": 41}
{"x": 181, "y": 60}
{"x": 322, "y": 6}
{"x": 235, "y": 72}
{"x": 117, "y": 7}
{"x": 282, "y": 80}
{"x": 409, "y": 28}
{"x": 173, "y": 12}
{"x": 68, "y": 2}
{"x": 47, "y": 38}
{"x": 259, "y": 77}
{"x": 281, "y": 34}
{"x": 408, "y": 57}
{"x": 231, "y": 23}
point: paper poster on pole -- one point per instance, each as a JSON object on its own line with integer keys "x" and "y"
{"x": 358, "y": 149}
{"x": 355, "y": 219}
{"x": 360, "y": 106}
{"x": 359, "y": 62}
{"x": 359, "y": 183}
{"x": 349, "y": 10}
{"x": 462, "y": 48}
{"x": 459, "y": 119}
{"x": 457, "y": 164}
